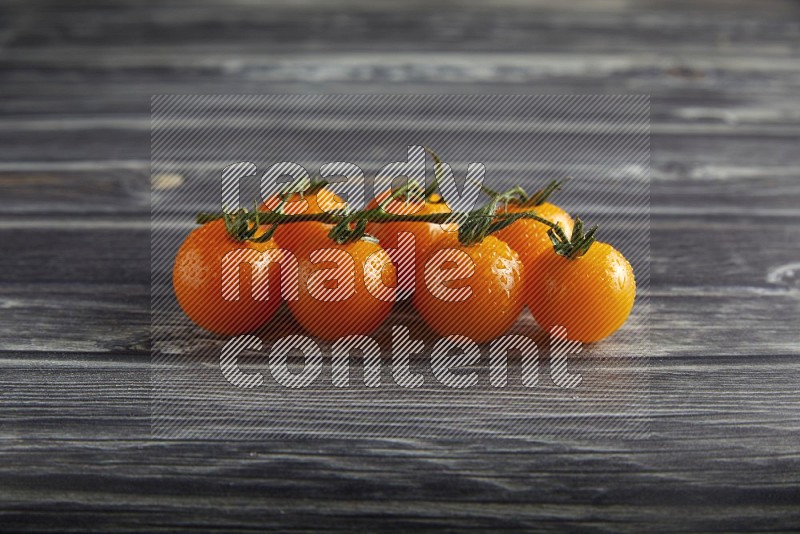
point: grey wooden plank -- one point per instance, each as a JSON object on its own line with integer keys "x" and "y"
{"x": 69, "y": 317}
{"x": 150, "y": 512}
{"x": 754, "y": 96}
{"x": 684, "y": 322}
{"x": 104, "y": 414}
{"x": 117, "y": 191}
{"x": 686, "y": 471}
{"x": 90, "y": 192}
{"x": 118, "y": 90}
{"x": 605, "y": 49}
{"x": 263, "y": 514}
{"x": 734, "y": 400}
{"x": 682, "y": 155}
{"x": 348, "y": 25}
{"x": 103, "y": 255}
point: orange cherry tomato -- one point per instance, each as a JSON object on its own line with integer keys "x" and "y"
{"x": 310, "y": 202}
{"x": 475, "y": 291}
{"x": 340, "y": 285}
{"x": 425, "y": 234}
{"x": 529, "y": 237}
{"x": 197, "y": 278}
{"x": 590, "y": 295}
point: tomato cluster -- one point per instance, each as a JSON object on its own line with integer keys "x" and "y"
{"x": 475, "y": 289}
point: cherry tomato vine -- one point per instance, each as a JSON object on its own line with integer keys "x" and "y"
{"x": 592, "y": 297}
{"x": 473, "y": 226}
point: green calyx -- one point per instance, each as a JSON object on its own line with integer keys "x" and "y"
{"x": 577, "y": 245}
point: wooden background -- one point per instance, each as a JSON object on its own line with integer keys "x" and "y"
{"x": 76, "y": 81}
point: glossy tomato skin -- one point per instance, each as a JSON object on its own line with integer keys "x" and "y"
{"x": 425, "y": 234}
{"x": 320, "y": 201}
{"x": 197, "y": 280}
{"x": 353, "y": 313}
{"x": 591, "y": 296}
{"x": 497, "y": 290}
{"x": 529, "y": 238}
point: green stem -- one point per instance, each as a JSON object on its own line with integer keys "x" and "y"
{"x": 379, "y": 216}
{"x": 473, "y": 226}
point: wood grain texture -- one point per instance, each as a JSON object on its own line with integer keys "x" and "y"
{"x": 75, "y": 446}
